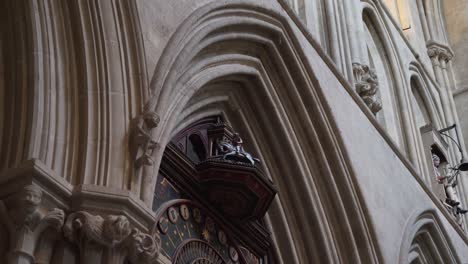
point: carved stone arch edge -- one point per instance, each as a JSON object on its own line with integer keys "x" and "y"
{"x": 287, "y": 35}
{"x": 428, "y": 95}
{"x": 429, "y": 222}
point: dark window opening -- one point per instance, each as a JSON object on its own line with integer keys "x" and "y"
{"x": 195, "y": 148}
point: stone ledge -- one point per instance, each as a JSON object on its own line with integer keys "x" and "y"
{"x": 33, "y": 172}
{"x": 61, "y": 194}
{"x": 105, "y": 200}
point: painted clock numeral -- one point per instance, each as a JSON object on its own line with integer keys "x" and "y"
{"x": 184, "y": 212}
{"x": 163, "y": 225}
{"x": 173, "y": 215}
{"x": 197, "y": 215}
{"x": 210, "y": 225}
{"x": 233, "y": 254}
{"x": 222, "y": 237}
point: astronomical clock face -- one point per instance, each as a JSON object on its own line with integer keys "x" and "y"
{"x": 199, "y": 196}
{"x": 189, "y": 234}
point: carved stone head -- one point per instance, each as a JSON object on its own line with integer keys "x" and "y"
{"x": 116, "y": 228}
{"x": 31, "y": 198}
{"x": 151, "y": 119}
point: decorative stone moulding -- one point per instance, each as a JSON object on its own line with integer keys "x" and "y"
{"x": 109, "y": 231}
{"x": 142, "y": 143}
{"x": 26, "y": 221}
{"x": 25, "y": 211}
{"x": 112, "y": 231}
{"x": 142, "y": 247}
{"x": 438, "y": 52}
{"x": 367, "y": 86}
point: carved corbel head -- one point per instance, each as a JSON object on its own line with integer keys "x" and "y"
{"x": 31, "y": 198}
{"x": 26, "y": 211}
{"x": 26, "y": 219}
{"x": 82, "y": 227}
{"x": 142, "y": 247}
{"x": 367, "y": 85}
{"x": 151, "y": 119}
{"x": 116, "y": 228}
{"x": 24, "y": 207}
{"x": 359, "y": 70}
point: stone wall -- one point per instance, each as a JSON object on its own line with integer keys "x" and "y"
{"x": 325, "y": 100}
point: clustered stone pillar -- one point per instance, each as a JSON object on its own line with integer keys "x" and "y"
{"x": 31, "y": 229}
{"x": 440, "y": 55}
{"x": 40, "y": 235}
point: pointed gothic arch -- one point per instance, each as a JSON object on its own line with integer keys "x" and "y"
{"x": 425, "y": 241}
{"x": 249, "y": 66}
{"x": 429, "y": 95}
{"x": 385, "y": 57}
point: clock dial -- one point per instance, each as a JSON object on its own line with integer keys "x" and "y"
{"x": 200, "y": 235}
{"x": 197, "y": 252}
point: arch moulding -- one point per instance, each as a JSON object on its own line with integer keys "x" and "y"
{"x": 255, "y": 53}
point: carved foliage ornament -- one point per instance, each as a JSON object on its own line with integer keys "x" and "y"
{"x": 83, "y": 226}
{"x": 143, "y": 248}
{"x": 367, "y": 86}
{"x": 439, "y": 53}
{"x": 111, "y": 231}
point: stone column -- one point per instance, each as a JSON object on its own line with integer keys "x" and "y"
{"x": 439, "y": 55}
{"x": 32, "y": 228}
{"x": 356, "y": 33}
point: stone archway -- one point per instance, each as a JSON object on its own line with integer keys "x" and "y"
{"x": 244, "y": 61}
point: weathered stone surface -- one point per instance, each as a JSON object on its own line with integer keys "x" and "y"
{"x": 91, "y": 93}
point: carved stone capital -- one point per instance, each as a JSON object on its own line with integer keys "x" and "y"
{"x": 112, "y": 231}
{"x": 142, "y": 144}
{"x": 27, "y": 220}
{"x": 367, "y": 86}
{"x": 142, "y": 247}
{"x": 24, "y": 211}
{"x": 433, "y": 51}
{"x": 439, "y": 53}
{"x": 83, "y": 227}
{"x": 445, "y": 55}
{"x": 53, "y": 219}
